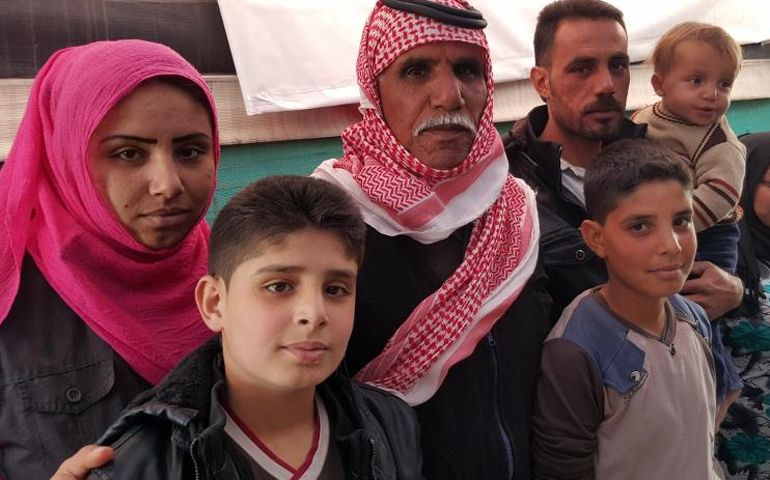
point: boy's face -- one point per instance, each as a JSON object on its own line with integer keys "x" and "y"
{"x": 287, "y": 313}
{"x": 648, "y": 240}
{"x": 697, "y": 86}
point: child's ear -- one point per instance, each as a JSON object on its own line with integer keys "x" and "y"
{"x": 209, "y": 296}
{"x": 657, "y": 84}
{"x": 539, "y": 78}
{"x": 593, "y": 235}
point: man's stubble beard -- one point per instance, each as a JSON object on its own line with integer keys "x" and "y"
{"x": 603, "y": 132}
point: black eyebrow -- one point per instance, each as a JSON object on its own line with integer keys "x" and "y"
{"x": 349, "y": 274}
{"x": 130, "y": 137}
{"x": 621, "y": 56}
{"x": 279, "y": 269}
{"x": 636, "y": 218}
{"x": 191, "y": 136}
{"x": 593, "y": 60}
{"x": 417, "y": 61}
{"x": 582, "y": 60}
{"x": 297, "y": 269}
{"x": 183, "y": 138}
{"x": 469, "y": 59}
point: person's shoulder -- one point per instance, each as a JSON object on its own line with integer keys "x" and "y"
{"x": 385, "y": 412}
{"x": 692, "y": 313}
{"x": 642, "y": 115}
{"x": 585, "y": 314}
{"x": 143, "y": 451}
{"x": 385, "y": 405}
{"x": 587, "y": 324}
{"x": 728, "y": 137}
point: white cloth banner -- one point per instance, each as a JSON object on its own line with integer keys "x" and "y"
{"x": 301, "y": 54}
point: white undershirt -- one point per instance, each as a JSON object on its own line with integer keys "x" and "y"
{"x": 267, "y": 460}
{"x": 572, "y": 178}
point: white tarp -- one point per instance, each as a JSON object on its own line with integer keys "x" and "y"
{"x": 301, "y": 54}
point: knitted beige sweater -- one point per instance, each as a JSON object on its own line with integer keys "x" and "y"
{"x": 713, "y": 153}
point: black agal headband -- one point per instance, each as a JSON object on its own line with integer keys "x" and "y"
{"x": 458, "y": 17}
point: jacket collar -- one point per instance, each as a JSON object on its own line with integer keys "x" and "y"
{"x": 188, "y": 398}
{"x": 545, "y": 155}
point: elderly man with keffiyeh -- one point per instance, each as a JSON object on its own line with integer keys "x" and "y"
{"x": 451, "y": 309}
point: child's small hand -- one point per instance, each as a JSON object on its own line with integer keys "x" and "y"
{"x": 715, "y": 290}
{"x": 78, "y": 466}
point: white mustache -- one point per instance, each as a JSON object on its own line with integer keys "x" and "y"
{"x": 447, "y": 119}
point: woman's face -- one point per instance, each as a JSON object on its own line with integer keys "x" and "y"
{"x": 762, "y": 199}
{"x": 152, "y": 161}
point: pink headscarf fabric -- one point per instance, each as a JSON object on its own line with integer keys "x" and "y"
{"x": 399, "y": 195}
{"x": 140, "y": 301}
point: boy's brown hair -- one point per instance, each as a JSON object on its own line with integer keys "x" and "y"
{"x": 622, "y": 167}
{"x": 268, "y": 210}
{"x": 663, "y": 55}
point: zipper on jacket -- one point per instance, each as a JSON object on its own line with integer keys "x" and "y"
{"x": 501, "y": 429}
{"x": 194, "y": 461}
{"x": 371, "y": 460}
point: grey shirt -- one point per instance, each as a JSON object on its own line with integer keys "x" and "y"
{"x": 616, "y": 403}
{"x": 61, "y": 385}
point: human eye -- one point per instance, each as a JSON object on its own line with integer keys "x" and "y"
{"x": 619, "y": 65}
{"x": 695, "y": 81}
{"x": 726, "y": 84}
{"x": 639, "y": 227}
{"x": 190, "y": 152}
{"x": 128, "y": 154}
{"x": 580, "y": 69}
{"x": 468, "y": 69}
{"x": 682, "y": 222}
{"x": 337, "y": 290}
{"x": 415, "y": 70}
{"x": 278, "y": 287}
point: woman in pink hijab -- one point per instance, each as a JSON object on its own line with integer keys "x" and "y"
{"x": 102, "y": 239}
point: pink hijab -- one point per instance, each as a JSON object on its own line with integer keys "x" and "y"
{"x": 140, "y": 301}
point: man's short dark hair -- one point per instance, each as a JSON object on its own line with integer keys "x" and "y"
{"x": 268, "y": 210}
{"x": 552, "y": 14}
{"x": 624, "y": 166}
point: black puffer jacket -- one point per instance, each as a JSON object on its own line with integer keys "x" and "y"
{"x": 176, "y": 430}
{"x": 570, "y": 265}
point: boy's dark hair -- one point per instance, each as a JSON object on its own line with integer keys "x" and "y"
{"x": 267, "y": 210}
{"x": 552, "y": 15}
{"x": 624, "y": 166}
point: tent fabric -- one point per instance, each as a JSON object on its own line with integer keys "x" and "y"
{"x": 311, "y": 48}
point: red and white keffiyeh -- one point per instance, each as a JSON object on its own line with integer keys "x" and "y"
{"x": 399, "y": 195}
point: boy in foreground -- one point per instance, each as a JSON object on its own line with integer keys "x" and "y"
{"x": 267, "y": 398}
{"x": 627, "y": 383}
{"x": 695, "y": 67}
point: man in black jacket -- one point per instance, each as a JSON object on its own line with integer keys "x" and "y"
{"x": 582, "y": 73}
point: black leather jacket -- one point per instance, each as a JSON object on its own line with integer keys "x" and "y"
{"x": 570, "y": 265}
{"x": 176, "y": 430}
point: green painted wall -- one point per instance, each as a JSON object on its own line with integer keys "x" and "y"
{"x": 242, "y": 164}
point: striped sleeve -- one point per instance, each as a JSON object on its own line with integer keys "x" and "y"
{"x": 719, "y": 163}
